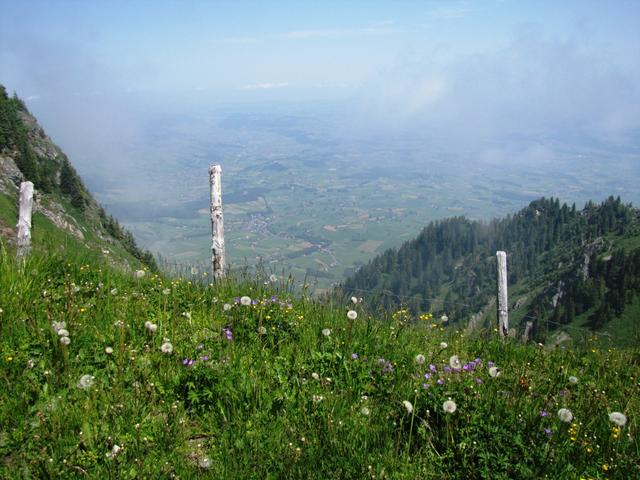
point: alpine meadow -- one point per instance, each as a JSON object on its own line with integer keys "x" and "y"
{"x": 344, "y": 240}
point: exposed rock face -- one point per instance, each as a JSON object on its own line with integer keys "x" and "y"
{"x": 10, "y": 176}
{"x": 55, "y": 212}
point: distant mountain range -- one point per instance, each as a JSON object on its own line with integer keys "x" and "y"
{"x": 65, "y": 213}
{"x": 569, "y": 270}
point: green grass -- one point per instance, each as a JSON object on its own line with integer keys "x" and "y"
{"x": 287, "y": 403}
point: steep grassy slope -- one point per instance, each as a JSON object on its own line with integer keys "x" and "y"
{"x": 169, "y": 379}
{"x": 72, "y": 214}
{"x": 564, "y": 264}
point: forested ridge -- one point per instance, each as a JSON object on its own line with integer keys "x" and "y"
{"x": 44, "y": 164}
{"x": 571, "y": 261}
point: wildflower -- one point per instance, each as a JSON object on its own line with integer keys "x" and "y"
{"x": 408, "y": 406}
{"x": 65, "y": 340}
{"x": 354, "y": 356}
{"x": 317, "y": 398}
{"x": 118, "y": 324}
{"x": 151, "y": 327}
{"x": 573, "y": 380}
{"x": 63, "y": 333}
{"x": 620, "y": 419}
{"x": 139, "y": 273}
{"x": 420, "y": 359}
{"x": 262, "y": 330}
{"x": 479, "y": 381}
{"x": 354, "y": 300}
{"x": 352, "y": 314}
{"x": 226, "y": 307}
{"x": 315, "y": 376}
{"x": 494, "y": 372}
{"x": 246, "y": 301}
{"x": 444, "y": 319}
{"x": 57, "y": 326}
{"x": 449, "y": 406}
{"x": 454, "y": 361}
{"x": 565, "y": 415}
{"x": 187, "y": 315}
{"x": 433, "y": 368}
{"x": 114, "y": 451}
{"x": 204, "y": 462}
{"x": 440, "y": 381}
{"x": 166, "y": 348}
{"x": 326, "y": 332}
{"x": 443, "y": 345}
{"x": 166, "y": 291}
{"x": 86, "y": 381}
{"x": 365, "y": 411}
{"x": 114, "y": 291}
{"x": 543, "y": 413}
{"x": 548, "y": 431}
{"x": 108, "y": 350}
{"x": 228, "y": 334}
{"x": 273, "y": 278}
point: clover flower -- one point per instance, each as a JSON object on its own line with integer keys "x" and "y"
{"x": 449, "y": 406}
{"x": 315, "y": 376}
{"x": 444, "y": 319}
{"x": 565, "y": 415}
{"x": 166, "y": 348}
{"x": 352, "y": 314}
{"x": 86, "y": 381}
{"x": 620, "y": 419}
{"x": 204, "y": 463}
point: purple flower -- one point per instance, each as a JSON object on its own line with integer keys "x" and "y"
{"x": 478, "y": 381}
{"x": 564, "y": 392}
{"x": 433, "y": 368}
{"x": 427, "y": 376}
{"x": 490, "y": 364}
{"x": 185, "y": 361}
{"x": 447, "y": 369}
{"x": 204, "y": 358}
{"x": 425, "y": 385}
{"x": 191, "y": 361}
{"x": 543, "y": 413}
{"x": 478, "y": 361}
{"x": 440, "y": 381}
{"x": 468, "y": 367}
{"x": 548, "y": 432}
{"x": 354, "y": 356}
{"x": 228, "y": 334}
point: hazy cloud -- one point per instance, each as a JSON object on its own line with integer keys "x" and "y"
{"x": 265, "y": 86}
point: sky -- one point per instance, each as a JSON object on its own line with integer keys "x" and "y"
{"x": 471, "y": 71}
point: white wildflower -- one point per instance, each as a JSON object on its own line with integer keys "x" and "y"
{"x": 273, "y": 278}
{"x": 420, "y": 359}
{"x": 187, "y": 315}
{"x": 408, "y": 406}
{"x": 449, "y": 406}
{"x": 65, "y": 340}
{"x": 204, "y": 462}
{"x": 454, "y": 362}
{"x": 620, "y": 419}
{"x": 444, "y": 319}
{"x": 226, "y": 307}
{"x": 166, "y": 291}
{"x": 262, "y": 330}
{"x": 118, "y": 324}
{"x": 86, "y": 381}
{"x": 326, "y": 332}
{"x": 151, "y": 327}
{"x": 443, "y": 345}
{"x": 573, "y": 380}
{"x": 108, "y": 350}
{"x": 63, "y": 333}
{"x": 315, "y": 376}
{"x": 494, "y": 372}
{"x": 565, "y": 415}
{"x": 114, "y": 291}
{"x": 140, "y": 273}
{"x": 166, "y": 348}
{"x": 317, "y": 398}
{"x": 114, "y": 451}
{"x": 352, "y": 314}
{"x": 365, "y": 411}
{"x": 354, "y": 300}
{"x": 246, "y": 301}
{"x": 57, "y": 326}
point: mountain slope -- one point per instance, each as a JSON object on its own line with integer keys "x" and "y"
{"x": 572, "y": 267}
{"x": 64, "y": 210}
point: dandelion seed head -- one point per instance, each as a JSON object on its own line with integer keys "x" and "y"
{"x": 226, "y": 307}
{"x": 449, "y": 406}
{"x": 454, "y": 361}
{"x": 352, "y": 314}
{"x": 326, "y": 332}
{"x": 65, "y": 340}
{"x": 620, "y": 419}
{"x": 57, "y": 326}
{"x": 262, "y": 330}
{"x": 246, "y": 301}
{"x": 139, "y": 273}
{"x": 565, "y": 415}
{"x": 420, "y": 359}
{"x": 166, "y": 348}
{"x": 354, "y": 300}
{"x": 86, "y": 381}
{"x": 573, "y": 380}
{"x": 407, "y": 404}
{"x": 494, "y": 372}
{"x": 365, "y": 411}
{"x": 63, "y": 333}
{"x": 108, "y": 350}
{"x": 443, "y": 345}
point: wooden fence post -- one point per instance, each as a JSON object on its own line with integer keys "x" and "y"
{"x": 217, "y": 223}
{"x": 24, "y": 220}
{"x": 503, "y": 314}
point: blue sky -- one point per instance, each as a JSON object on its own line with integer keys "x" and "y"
{"x": 472, "y": 70}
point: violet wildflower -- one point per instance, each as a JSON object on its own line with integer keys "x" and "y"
{"x": 440, "y": 381}
{"x": 543, "y": 413}
{"x": 548, "y": 431}
{"x": 228, "y": 334}
{"x": 354, "y": 356}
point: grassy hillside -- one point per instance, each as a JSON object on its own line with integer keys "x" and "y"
{"x": 172, "y": 379}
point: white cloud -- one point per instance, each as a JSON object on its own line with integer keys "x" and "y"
{"x": 384, "y": 28}
{"x": 264, "y": 86}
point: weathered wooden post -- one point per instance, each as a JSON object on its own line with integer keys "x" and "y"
{"x": 217, "y": 223}
{"x": 24, "y": 220}
{"x": 503, "y": 314}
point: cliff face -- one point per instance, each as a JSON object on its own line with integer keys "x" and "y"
{"x": 27, "y": 153}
